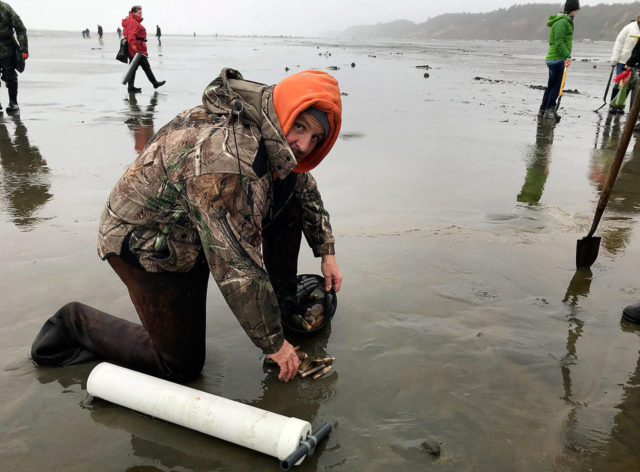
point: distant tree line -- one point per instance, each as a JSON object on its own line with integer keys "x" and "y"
{"x": 599, "y": 23}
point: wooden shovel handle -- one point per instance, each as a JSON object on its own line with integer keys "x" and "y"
{"x": 564, "y": 77}
{"x": 623, "y": 144}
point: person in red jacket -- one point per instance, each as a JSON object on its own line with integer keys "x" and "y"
{"x": 136, "y": 36}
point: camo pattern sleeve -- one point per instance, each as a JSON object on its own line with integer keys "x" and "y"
{"x": 10, "y": 22}
{"x": 316, "y": 226}
{"x": 221, "y": 209}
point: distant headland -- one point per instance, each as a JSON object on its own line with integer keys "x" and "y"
{"x": 598, "y": 23}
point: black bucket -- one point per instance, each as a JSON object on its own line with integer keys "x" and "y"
{"x": 301, "y": 293}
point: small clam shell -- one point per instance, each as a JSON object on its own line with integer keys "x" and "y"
{"x": 312, "y": 371}
{"x": 305, "y": 365}
{"x": 323, "y": 360}
{"x": 322, "y": 372}
{"x": 316, "y": 323}
{"x": 316, "y": 310}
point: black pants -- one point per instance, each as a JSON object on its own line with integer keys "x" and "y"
{"x": 8, "y": 69}
{"x": 9, "y": 75}
{"x": 552, "y": 91}
{"x": 146, "y": 67}
{"x": 170, "y": 342}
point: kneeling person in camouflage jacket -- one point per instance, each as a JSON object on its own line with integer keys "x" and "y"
{"x": 224, "y": 188}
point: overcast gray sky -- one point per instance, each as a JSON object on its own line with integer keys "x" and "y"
{"x": 262, "y": 17}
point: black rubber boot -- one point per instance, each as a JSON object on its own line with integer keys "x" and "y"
{"x": 79, "y": 333}
{"x": 131, "y": 88}
{"x": 146, "y": 67}
{"x": 615, "y": 110}
{"x": 170, "y": 342}
{"x": 631, "y": 313}
{"x": 13, "y": 97}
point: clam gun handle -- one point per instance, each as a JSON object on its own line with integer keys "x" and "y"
{"x": 306, "y": 446}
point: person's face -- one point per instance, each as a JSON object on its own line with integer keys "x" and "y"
{"x": 305, "y": 134}
{"x": 138, "y": 13}
{"x": 573, "y": 13}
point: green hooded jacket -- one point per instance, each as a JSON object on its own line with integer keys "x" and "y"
{"x": 10, "y": 21}
{"x": 560, "y": 37}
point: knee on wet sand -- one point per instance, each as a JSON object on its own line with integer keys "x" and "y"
{"x": 182, "y": 368}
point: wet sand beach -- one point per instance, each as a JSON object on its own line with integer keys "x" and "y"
{"x": 461, "y": 319}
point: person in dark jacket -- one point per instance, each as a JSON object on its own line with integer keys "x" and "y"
{"x": 158, "y": 34}
{"x": 136, "y": 36}
{"x": 559, "y": 56}
{"x": 10, "y": 22}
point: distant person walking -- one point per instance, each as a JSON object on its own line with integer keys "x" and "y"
{"x": 100, "y": 32}
{"x": 622, "y": 49}
{"x": 158, "y": 34}
{"x": 119, "y": 31}
{"x": 136, "y": 36}
{"x": 11, "y": 23}
{"x": 559, "y": 55}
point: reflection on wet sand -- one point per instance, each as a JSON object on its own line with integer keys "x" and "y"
{"x": 301, "y": 397}
{"x": 25, "y": 181}
{"x": 578, "y": 287}
{"x": 155, "y": 441}
{"x": 613, "y": 449}
{"x": 141, "y": 121}
{"x": 539, "y": 158}
{"x": 620, "y": 451}
{"x": 624, "y": 202}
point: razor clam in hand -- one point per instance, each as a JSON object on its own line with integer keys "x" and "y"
{"x": 310, "y": 366}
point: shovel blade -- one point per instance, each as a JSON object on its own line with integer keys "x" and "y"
{"x": 587, "y": 252}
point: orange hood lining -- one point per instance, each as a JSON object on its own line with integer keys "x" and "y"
{"x": 309, "y": 88}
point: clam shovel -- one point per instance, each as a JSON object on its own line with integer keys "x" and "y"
{"x": 588, "y": 247}
{"x": 564, "y": 77}
{"x": 606, "y": 90}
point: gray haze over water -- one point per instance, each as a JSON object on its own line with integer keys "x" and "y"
{"x": 461, "y": 317}
{"x": 250, "y": 17}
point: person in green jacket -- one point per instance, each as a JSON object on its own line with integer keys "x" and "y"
{"x": 9, "y": 23}
{"x": 559, "y": 55}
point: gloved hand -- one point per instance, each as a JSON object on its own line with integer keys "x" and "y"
{"x": 25, "y": 55}
{"x": 614, "y": 63}
{"x": 134, "y": 47}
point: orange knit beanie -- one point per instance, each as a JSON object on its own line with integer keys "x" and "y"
{"x": 309, "y": 88}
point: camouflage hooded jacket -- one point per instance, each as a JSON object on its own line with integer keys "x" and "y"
{"x": 205, "y": 183}
{"x": 10, "y": 21}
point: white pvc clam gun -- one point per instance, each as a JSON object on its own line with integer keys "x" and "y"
{"x": 279, "y": 436}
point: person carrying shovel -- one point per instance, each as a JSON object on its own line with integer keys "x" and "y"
{"x": 558, "y": 57}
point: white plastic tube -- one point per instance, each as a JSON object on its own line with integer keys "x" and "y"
{"x": 251, "y": 427}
